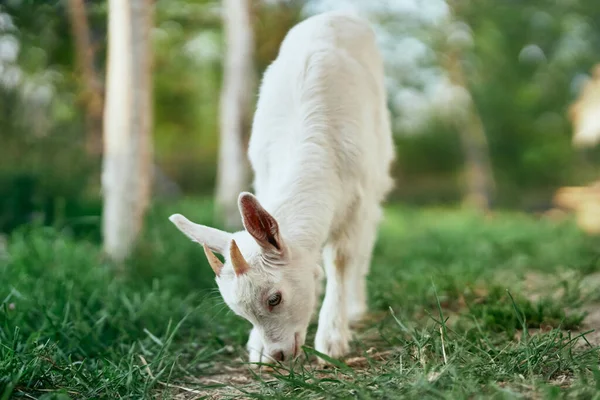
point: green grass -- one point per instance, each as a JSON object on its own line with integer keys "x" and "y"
{"x": 463, "y": 307}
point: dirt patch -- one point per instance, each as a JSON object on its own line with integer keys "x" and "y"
{"x": 228, "y": 382}
{"x": 234, "y": 381}
{"x": 539, "y": 285}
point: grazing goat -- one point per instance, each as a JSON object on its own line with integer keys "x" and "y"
{"x": 321, "y": 150}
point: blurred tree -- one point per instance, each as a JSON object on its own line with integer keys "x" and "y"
{"x": 478, "y": 170}
{"x": 523, "y": 63}
{"x": 126, "y": 175}
{"x": 90, "y": 82}
{"x": 235, "y": 112}
{"x": 479, "y": 175}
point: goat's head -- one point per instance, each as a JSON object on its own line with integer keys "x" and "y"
{"x": 265, "y": 280}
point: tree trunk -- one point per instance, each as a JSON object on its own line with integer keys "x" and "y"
{"x": 127, "y": 167}
{"x": 91, "y": 86}
{"x": 235, "y": 109}
{"x": 478, "y": 169}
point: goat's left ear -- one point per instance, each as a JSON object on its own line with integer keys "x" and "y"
{"x": 259, "y": 223}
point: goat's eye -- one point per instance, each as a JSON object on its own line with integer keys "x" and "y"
{"x": 274, "y": 299}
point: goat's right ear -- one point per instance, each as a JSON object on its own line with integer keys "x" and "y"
{"x": 215, "y": 239}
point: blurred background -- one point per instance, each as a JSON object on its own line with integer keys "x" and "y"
{"x": 495, "y": 104}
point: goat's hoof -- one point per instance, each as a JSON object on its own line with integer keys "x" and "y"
{"x": 334, "y": 343}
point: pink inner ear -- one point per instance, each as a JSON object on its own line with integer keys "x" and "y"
{"x": 259, "y": 223}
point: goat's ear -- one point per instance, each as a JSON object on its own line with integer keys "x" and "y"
{"x": 214, "y": 239}
{"x": 259, "y": 223}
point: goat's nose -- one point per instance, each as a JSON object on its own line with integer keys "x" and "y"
{"x": 278, "y": 356}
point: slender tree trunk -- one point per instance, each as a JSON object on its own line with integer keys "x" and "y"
{"x": 91, "y": 85}
{"x": 480, "y": 182}
{"x": 478, "y": 169}
{"x": 127, "y": 167}
{"x": 235, "y": 110}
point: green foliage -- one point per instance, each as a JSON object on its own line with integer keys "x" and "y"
{"x": 45, "y": 187}
{"x": 524, "y": 100}
{"x": 72, "y": 323}
{"x": 68, "y": 319}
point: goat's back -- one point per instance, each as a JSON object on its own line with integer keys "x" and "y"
{"x": 322, "y": 115}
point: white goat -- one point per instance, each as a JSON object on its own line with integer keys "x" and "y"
{"x": 321, "y": 149}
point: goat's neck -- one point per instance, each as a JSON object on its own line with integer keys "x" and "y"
{"x": 304, "y": 213}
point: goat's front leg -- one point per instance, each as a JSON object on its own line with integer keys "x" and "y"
{"x": 333, "y": 334}
{"x": 255, "y": 347}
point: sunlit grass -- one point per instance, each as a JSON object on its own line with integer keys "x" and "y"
{"x": 464, "y": 306}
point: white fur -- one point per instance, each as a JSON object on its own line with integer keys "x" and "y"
{"x": 321, "y": 149}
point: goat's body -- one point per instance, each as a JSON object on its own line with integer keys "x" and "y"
{"x": 321, "y": 144}
{"x": 321, "y": 149}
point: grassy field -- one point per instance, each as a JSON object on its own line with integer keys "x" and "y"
{"x": 463, "y": 306}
